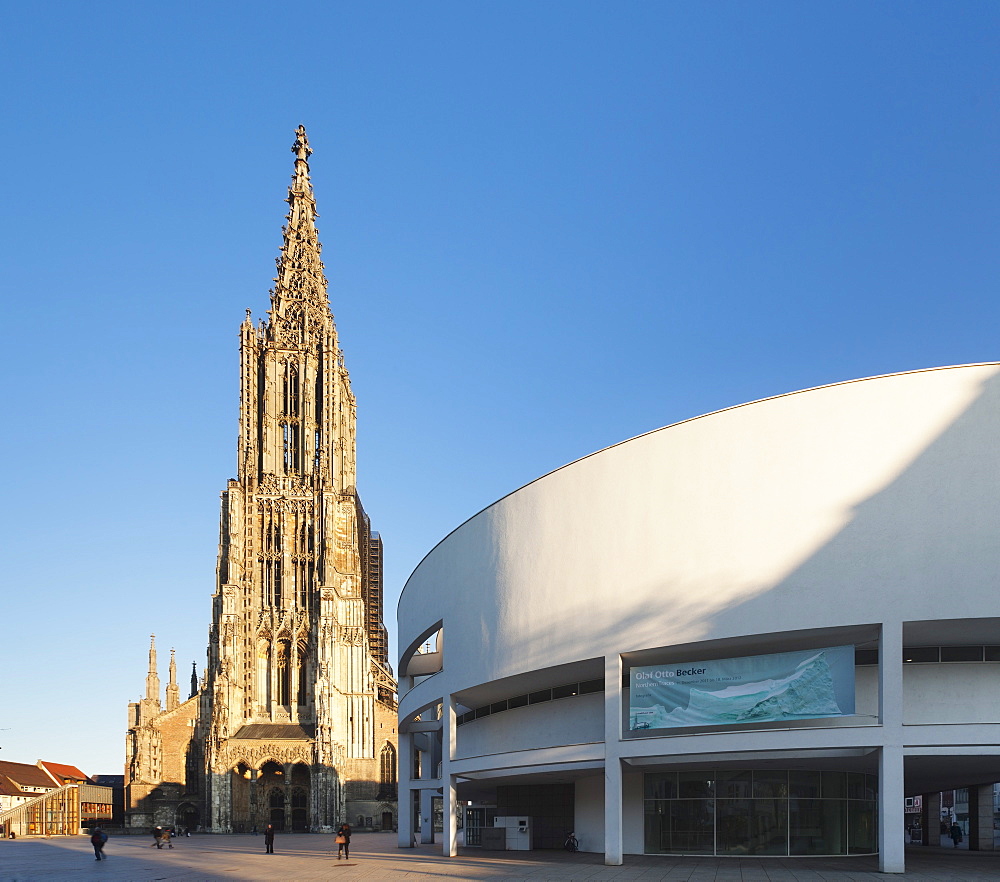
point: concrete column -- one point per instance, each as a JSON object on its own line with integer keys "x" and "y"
{"x": 612, "y": 760}
{"x": 422, "y": 741}
{"x": 930, "y": 818}
{"x": 427, "y": 816}
{"x": 449, "y": 740}
{"x": 451, "y": 814}
{"x": 981, "y": 818}
{"x": 891, "y": 816}
{"x": 891, "y": 811}
{"x": 890, "y": 675}
{"x": 404, "y": 811}
{"x": 404, "y": 817}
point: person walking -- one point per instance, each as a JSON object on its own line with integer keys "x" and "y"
{"x": 269, "y": 839}
{"x": 344, "y": 841}
{"x": 97, "y": 839}
{"x": 955, "y": 832}
{"x": 166, "y": 837}
{"x": 157, "y": 838}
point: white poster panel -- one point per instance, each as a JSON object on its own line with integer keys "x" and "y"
{"x": 754, "y": 689}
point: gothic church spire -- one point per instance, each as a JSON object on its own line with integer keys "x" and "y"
{"x": 296, "y": 612}
{"x": 299, "y": 300}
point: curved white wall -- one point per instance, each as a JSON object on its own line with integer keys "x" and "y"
{"x": 572, "y": 721}
{"x": 870, "y": 507}
{"x": 813, "y": 509}
{"x": 951, "y": 693}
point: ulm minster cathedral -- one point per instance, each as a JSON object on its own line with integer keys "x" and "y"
{"x": 294, "y": 720}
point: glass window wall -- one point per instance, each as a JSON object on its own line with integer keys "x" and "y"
{"x": 683, "y": 826}
{"x": 764, "y": 812}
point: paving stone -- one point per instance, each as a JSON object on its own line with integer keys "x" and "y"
{"x": 375, "y": 858}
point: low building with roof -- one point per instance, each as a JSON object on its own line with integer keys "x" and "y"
{"x": 20, "y": 782}
{"x": 50, "y": 799}
{"x": 65, "y": 774}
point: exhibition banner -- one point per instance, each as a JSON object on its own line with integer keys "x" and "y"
{"x": 755, "y": 689}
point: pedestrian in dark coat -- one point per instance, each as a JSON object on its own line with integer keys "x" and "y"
{"x": 955, "y": 833}
{"x": 157, "y": 838}
{"x": 269, "y": 839}
{"x": 97, "y": 839}
{"x": 344, "y": 841}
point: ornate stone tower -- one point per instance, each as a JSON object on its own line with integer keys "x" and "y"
{"x": 299, "y": 713}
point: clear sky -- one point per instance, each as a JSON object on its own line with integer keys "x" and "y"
{"x": 548, "y": 227}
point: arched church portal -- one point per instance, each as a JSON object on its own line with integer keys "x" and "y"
{"x": 299, "y": 797}
{"x": 187, "y": 817}
{"x": 241, "y": 778}
{"x": 273, "y": 784}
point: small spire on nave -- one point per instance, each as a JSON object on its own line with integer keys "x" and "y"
{"x": 173, "y": 692}
{"x": 152, "y": 678}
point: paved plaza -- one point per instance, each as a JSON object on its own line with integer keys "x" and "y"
{"x": 375, "y": 857}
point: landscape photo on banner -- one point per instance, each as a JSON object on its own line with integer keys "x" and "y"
{"x": 753, "y": 689}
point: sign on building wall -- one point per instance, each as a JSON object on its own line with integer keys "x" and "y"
{"x": 754, "y": 689}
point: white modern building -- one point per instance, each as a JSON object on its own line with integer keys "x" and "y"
{"x": 751, "y": 633}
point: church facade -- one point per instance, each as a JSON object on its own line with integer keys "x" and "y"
{"x": 294, "y": 720}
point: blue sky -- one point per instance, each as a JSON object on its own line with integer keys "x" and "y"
{"x": 548, "y": 227}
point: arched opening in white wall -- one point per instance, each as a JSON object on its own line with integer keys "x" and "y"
{"x": 423, "y": 658}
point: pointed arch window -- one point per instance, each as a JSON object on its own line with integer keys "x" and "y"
{"x": 264, "y": 675}
{"x": 192, "y": 766}
{"x": 271, "y": 560}
{"x": 303, "y": 572}
{"x": 284, "y": 671}
{"x": 290, "y": 391}
{"x": 387, "y": 773}
{"x": 303, "y": 565}
{"x": 303, "y": 696}
{"x": 290, "y": 446}
{"x": 271, "y": 581}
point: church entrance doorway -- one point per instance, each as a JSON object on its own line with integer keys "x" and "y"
{"x": 186, "y": 817}
{"x": 300, "y": 784}
{"x": 273, "y": 787}
{"x": 240, "y": 783}
{"x": 277, "y": 815}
